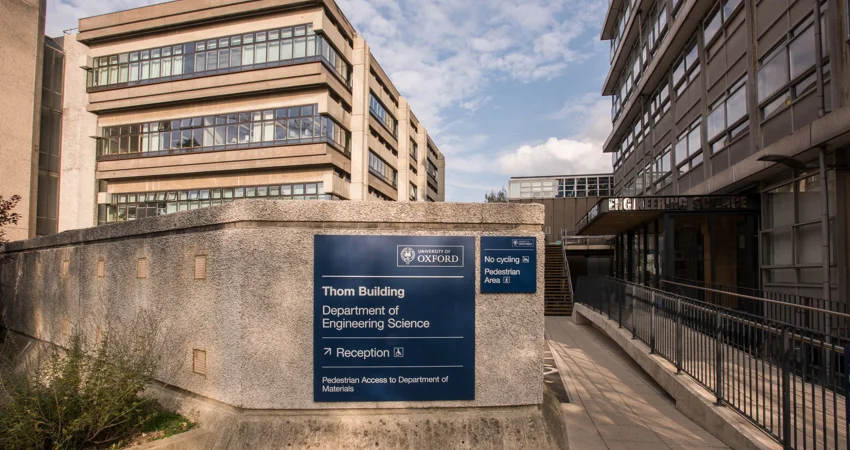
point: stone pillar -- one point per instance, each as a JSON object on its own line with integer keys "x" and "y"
{"x": 360, "y": 121}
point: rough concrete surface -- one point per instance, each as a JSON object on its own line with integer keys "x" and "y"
{"x": 523, "y": 427}
{"x": 253, "y": 313}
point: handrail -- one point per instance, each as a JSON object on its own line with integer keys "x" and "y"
{"x": 567, "y": 272}
{"x": 750, "y": 297}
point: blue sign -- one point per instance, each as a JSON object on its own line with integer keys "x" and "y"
{"x": 394, "y": 318}
{"x": 508, "y": 265}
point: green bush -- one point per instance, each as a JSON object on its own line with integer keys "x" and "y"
{"x": 82, "y": 396}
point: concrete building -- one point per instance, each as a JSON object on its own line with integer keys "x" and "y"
{"x": 179, "y": 106}
{"x": 24, "y": 166}
{"x": 199, "y": 105}
{"x": 731, "y": 126}
{"x": 567, "y": 198}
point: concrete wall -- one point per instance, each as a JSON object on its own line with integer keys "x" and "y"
{"x": 77, "y": 186}
{"x": 253, "y": 313}
{"x": 21, "y": 50}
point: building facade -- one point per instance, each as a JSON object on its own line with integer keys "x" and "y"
{"x": 30, "y": 92}
{"x": 730, "y": 133}
{"x": 198, "y": 106}
{"x": 566, "y": 198}
{"x": 180, "y": 106}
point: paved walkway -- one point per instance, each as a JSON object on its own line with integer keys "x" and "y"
{"x": 614, "y": 404}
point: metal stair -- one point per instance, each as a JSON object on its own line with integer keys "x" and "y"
{"x": 558, "y": 295}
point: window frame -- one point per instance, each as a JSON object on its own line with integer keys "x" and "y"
{"x": 797, "y": 87}
{"x": 731, "y": 131}
{"x": 688, "y": 161}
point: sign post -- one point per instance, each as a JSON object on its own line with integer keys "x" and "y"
{"x": 394, "y": 318}
{"x": 508, "y": 265}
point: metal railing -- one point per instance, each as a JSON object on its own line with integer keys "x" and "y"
{"x": 814, "y": 314}
{"x": 785, "y": 378}
{"x": 569, "y": 237}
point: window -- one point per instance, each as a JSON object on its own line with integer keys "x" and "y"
{"x": 728, "y": 112}
{"x": 125, "y": 207}
{"x": 662, "y": 168}
{"x": 689, "y": 148}
{"x": 687, "y": 69}
{"x": 414, "y": 195}
{"x": 380, "y": 112}
{"x": 660, "y": 103}
{"x": 383, "y": 170}
{"x": 414, "y": 150}
{"x": 431, "y": 169}
{"x": 270, "y": 48}
{"x": 791, "y": 233}
{"x": 273, "y": 127}
{"x": 717, "y": 18}
{"x": 787, "y": 72}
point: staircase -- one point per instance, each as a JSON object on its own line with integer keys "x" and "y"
{"x": 558, "y": 296}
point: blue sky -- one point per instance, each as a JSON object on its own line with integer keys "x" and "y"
{"x": 504, "y": 87}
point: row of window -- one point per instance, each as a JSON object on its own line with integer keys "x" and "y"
{"x": 380, "y": 112}
{"x": 269, "y": 48}
{"x": 134, "y": 206}
{"x": 656, "y": 30}
{"x": 566, "y": 187}
{"x": 784, "y": 74}
{"x": 383, "y": 170}
{"x": 283, "y": 126}
{"x": 619, "y": 32}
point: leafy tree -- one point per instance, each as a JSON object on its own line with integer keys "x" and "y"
{"x": 500, "y": 196}
{"x": 7, "y": 217}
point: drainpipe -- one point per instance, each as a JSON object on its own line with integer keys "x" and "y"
{"x": 819, "y": 64}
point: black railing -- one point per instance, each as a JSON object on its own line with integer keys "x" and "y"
{"x": 787, "y": 379}
{"x": 813, "y": 314}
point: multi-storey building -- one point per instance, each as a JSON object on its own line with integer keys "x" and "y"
{"x": 31, "y": 129}
{"x": 183, "y": 105}
{"x": 199, "y": 106}
{"x": 566, "y": 198}
{"x": 729, "y": 143}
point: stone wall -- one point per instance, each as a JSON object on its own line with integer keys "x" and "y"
{"x": 253, "y": 313}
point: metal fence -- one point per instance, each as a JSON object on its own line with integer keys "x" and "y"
{"x": 786, "y": 378}
{"x": 827, "y": 316}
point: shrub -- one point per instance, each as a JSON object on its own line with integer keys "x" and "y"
{"x": 82, "y": 396}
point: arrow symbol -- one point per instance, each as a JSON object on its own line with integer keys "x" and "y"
{"x": 328, "y": 351}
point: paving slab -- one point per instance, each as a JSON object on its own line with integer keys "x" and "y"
{"x": 614, "y": 404}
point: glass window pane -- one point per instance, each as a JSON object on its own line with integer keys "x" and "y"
{"x": 248, "y": 55}
{"x": 801, "y": 52}
{"x": 716, "y": 121}
{"x": 736, "y": 105}
{"x": 773, "y": 74}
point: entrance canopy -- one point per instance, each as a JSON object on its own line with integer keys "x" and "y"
{"x": 612, "y": 216}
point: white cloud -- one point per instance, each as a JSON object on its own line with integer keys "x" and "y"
{"x": 443, "y": 53}
{"x": 588, "y": 117}
{"x": 555, "y": 157}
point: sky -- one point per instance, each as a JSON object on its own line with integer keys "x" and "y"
{"x": 504, "y": 87}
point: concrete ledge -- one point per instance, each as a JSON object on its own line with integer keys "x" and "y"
{"x": 223, "y": 426}
{"x": 191, "y": 440}
{"x": 692, "y": 400}
{"x": 310, "y": 214}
